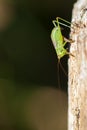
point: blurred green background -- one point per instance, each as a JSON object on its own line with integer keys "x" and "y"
{"x": 27, "y": 58}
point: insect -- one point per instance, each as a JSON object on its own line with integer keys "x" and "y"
{"x": 59, "y": 41}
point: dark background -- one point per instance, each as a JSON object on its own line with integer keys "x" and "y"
{"x": 25, "y": 44}
{"x": 29, "y": 66}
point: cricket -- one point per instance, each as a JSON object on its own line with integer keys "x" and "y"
{"x": 58, "y": 40}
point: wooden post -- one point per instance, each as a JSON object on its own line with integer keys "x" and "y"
{"x": 77, "y": 91}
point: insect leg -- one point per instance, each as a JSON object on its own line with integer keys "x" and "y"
{"x": 55, "y": 23}
{"x": 68, "y": 40}
{"x": 63, "y": 20}
{"x": 68, "y": 53}
{"x": 64, "y": 43}
{"x": 58, "y": 18}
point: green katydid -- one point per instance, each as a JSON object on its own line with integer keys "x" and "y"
{"x": 59, "y": 41}
{"x": 57, "y": 38}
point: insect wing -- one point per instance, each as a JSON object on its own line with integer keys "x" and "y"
{"x": 57, "y": 38}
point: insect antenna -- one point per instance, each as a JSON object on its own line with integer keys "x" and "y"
{"x": 62, "y": 68}
{"x": 59, "y": 84}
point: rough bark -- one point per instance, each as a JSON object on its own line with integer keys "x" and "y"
{"x": 77, "y": 112}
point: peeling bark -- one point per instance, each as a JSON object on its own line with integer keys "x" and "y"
{"x": 77, "y": 112}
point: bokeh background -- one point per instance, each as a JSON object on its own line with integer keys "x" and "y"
{"x": 29, "y": 87}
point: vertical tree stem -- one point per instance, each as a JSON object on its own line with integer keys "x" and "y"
{"x": 77, "y": 91}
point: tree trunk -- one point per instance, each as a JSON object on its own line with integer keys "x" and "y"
{"x": 77, "y": 112}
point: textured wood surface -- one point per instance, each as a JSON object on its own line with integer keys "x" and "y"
{"x": 77, "y": 117}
